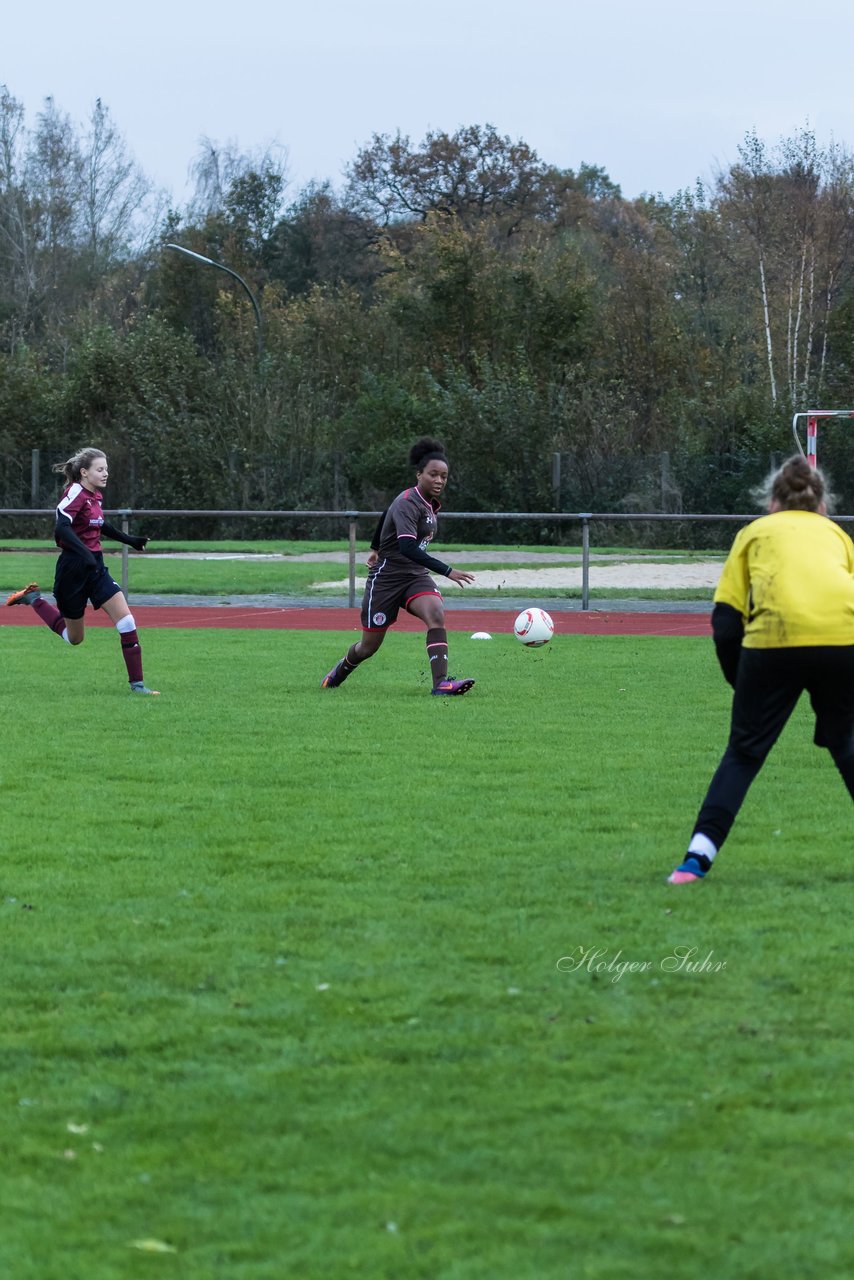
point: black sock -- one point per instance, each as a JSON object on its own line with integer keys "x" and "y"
{"x": 351, "y": 660}
{"x": 704, "y": 863}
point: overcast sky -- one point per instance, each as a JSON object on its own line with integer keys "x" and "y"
{"x": 657, "y": 92}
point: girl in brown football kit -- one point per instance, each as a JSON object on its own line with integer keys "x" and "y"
{"x": 398, "y": 576}
{"x": 81, "y": 575}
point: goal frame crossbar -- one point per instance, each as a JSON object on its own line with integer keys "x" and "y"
{"x": 812, "y": 416}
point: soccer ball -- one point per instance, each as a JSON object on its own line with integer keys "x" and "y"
{"x": 533, "y": 627}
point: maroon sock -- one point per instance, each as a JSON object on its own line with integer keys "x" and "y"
{"x": 49, "y": 615}
{"x": 437, "y": 652}
{"x": 132, "y": 654}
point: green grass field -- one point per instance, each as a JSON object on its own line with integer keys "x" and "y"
{"x": 316, "y": 984}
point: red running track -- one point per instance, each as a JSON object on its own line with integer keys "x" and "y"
{"x": 233, "y": 617}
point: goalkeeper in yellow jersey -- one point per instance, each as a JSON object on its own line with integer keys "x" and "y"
{"x": 783, "y": 624}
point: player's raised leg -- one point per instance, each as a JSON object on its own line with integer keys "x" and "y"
{"x": 48, "y": 613}
{"x": 354, "y": 657}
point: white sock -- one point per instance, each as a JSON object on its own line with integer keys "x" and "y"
{"x": 702, "y": 844}
{"x": 65, "y": 635}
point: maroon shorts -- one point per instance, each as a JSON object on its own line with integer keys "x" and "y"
{"x": 390, "y": 589}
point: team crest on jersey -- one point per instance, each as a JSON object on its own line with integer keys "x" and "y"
{"x": 378, "y": 619}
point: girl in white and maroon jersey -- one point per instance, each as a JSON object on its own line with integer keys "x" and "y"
{"x": 81, "y": 574}
{"x": 398, "y": 577}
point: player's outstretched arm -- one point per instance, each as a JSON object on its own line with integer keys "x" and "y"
{"x": 129, "y": 539}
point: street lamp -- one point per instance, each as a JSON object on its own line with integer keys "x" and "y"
{"x": 209, "y": 262}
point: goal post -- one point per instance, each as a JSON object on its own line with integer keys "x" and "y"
{"x": 812, "y": 416}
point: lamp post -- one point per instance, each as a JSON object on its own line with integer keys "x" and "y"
{"x": 209, "y": 262}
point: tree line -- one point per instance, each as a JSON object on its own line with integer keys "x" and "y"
{"x": 460, "y": 286}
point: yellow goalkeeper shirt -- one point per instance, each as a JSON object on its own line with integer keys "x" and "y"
{"x": 791, "y": 576}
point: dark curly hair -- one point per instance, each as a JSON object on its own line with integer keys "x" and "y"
{"x": 424, "y": 450}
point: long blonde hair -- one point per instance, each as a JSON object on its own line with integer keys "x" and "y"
{"x": 82, "y": 459}
{"x": 796, "y": 486}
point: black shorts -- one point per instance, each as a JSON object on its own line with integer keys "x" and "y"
{"x": 769, "y": 684}
{"x": 75, "y": 582}
{"x": 391, "y": 588}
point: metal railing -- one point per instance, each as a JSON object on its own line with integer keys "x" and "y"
{"x": 582, "y": 518}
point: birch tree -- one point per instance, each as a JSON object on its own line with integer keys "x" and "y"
{"x": 116, "y": 197}
{"x": 54, "y": 170}
{"x": 789, "y": 211}
{"x": 17, "y": 278}
{"x": 749, "y": 201}
{"x": 834, "y": 234}
{"x": 249, "y": 184}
